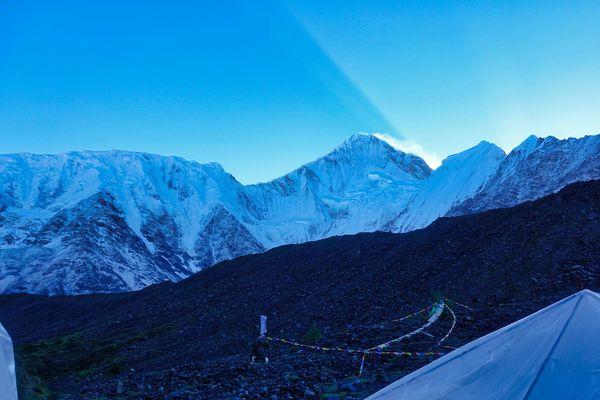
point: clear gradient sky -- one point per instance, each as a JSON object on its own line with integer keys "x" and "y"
{"x": 264, "y": 86}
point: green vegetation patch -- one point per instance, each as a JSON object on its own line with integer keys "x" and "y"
{"x": 313, "y": 335}
{"x": 74, "y": 356}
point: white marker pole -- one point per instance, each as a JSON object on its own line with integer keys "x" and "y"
{"x": 263, "y": 325}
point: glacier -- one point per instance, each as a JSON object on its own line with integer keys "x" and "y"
{"x": 107, "y": 221}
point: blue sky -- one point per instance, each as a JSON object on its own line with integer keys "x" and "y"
{"x": 265, "y": 86}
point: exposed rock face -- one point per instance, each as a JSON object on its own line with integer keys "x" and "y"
{"x": 85, "y": 222}
{"x": 537, "y": 167}
{"x": 114, "y": 221}
{"x": 193, "y": 338}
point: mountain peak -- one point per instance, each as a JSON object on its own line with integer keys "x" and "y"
{"x": 482, "y": 150}
{"x": 484, "y": 144}
{"x": 528, "y": 144}
{"x": 156, "y": 216}
{"x": 367, "y": 151}
{"x": 362, "y": 141}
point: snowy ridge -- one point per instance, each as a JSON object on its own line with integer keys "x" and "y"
{"x": 537, "y": 167}
{"x": 159, "y": 207}
{"x": 90, "y": 221}
{"x": 458, "y": 178}
{"x": 352, "y": 189}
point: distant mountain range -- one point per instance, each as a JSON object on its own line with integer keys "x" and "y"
{"x": 86, "y": 221}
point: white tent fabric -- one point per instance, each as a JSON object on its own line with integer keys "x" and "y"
{"x": 8, "y": 381}
{"x": 551, "y": 354}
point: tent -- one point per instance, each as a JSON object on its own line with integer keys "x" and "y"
{"x": 551, "y": 354}
{"x": 8, "y": 381}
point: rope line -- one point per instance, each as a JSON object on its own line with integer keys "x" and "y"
{"x": 362, "y": 364}
{"x": 380, "y": 324}
{"x": 414, "y": 314}
{"x": 458, "y": 304}
{"x": 439, "y": 308}
{"x": 437, "y": 312}
{"x": 357, "y": 351}
{"x": 451, "y": 328}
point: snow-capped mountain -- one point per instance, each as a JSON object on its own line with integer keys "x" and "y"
{"x": 458, "y": 178}
{"x": 110, "y": 221}
{"x": 355, "y": 188}
{"x": 94, "y": 221}
{"x": 86, "y": 221}
{"x": 535, "y": 168}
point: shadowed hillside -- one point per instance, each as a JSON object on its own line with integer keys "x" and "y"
{"x": 192, "y": 339}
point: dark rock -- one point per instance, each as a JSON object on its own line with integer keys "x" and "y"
{"x": 193, "y": 338}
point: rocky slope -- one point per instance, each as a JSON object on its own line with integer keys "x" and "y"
{"x": 86, "y": 222}
{"x": 191, "y": 340}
